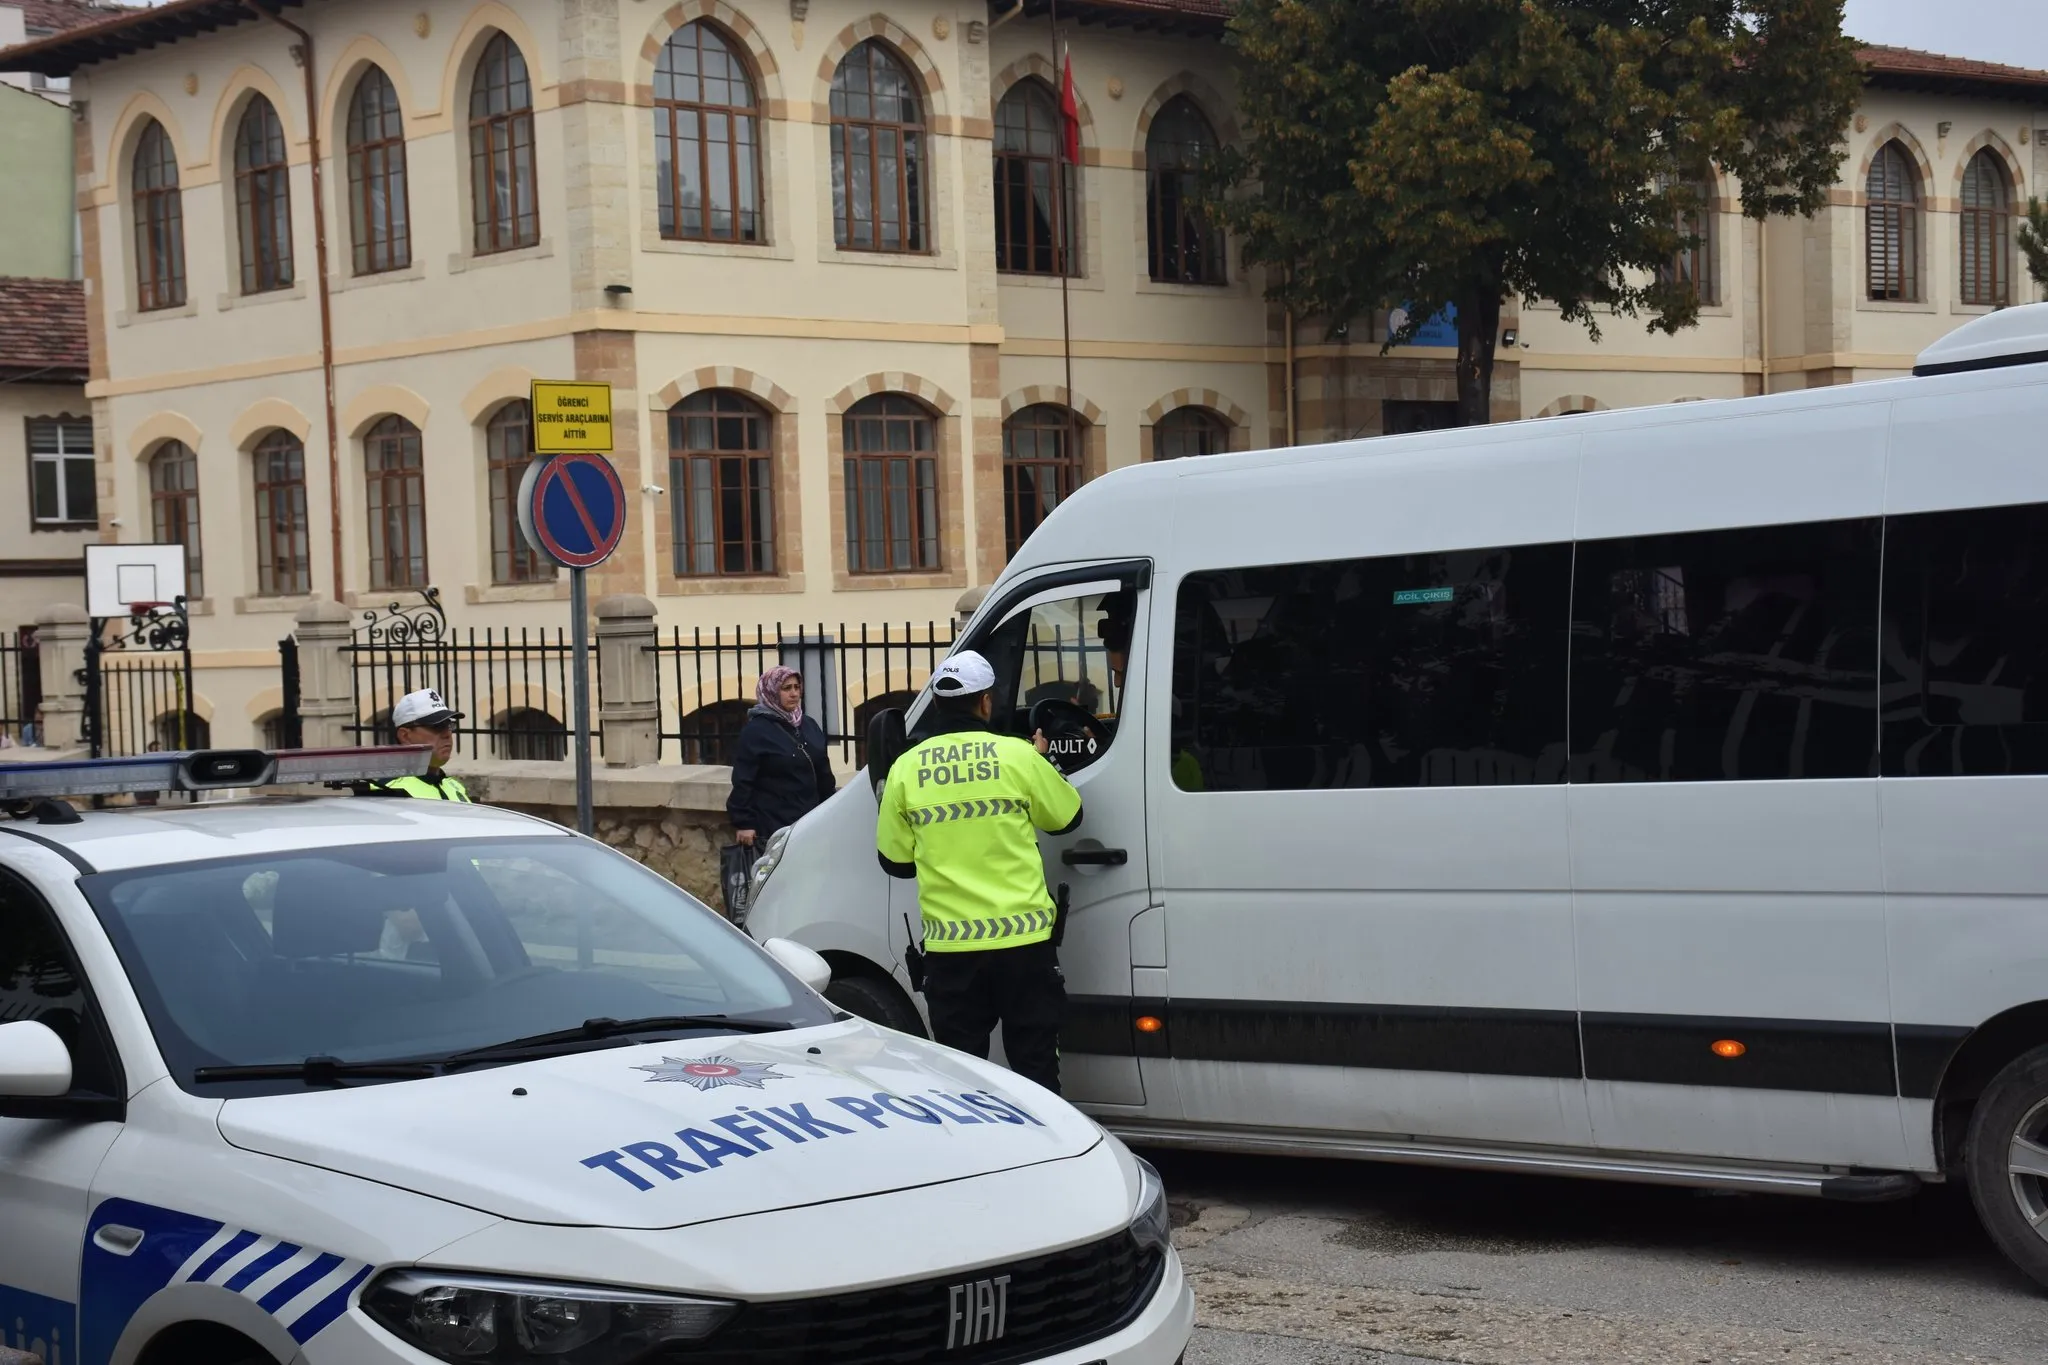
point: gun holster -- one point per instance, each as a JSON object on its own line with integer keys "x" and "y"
{"x": 1060, "y": 901}
{"x": 913, "y": 957}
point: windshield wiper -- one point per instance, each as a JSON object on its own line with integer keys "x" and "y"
{"x": 595, "y": 1030}
{"x": 320, "y": 1071}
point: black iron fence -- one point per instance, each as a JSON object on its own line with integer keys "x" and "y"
{"x": 513, "y": 687}
{"x": 144, "y": 707}
{"x": 20, "y": 683}
{"x": 706, "y": 680}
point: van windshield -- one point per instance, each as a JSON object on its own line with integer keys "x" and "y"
{"x": 419, "y": 951}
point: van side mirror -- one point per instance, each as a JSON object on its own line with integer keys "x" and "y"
{"x": 886, "y": 742}
{"x": 34, "y": 1063}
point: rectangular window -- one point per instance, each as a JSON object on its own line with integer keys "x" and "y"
{"x": 1724, "y": 655}
{"x": 61, "y": 476}
{"x": 1424, "y": 670}
{"x": 1966, "y": 643}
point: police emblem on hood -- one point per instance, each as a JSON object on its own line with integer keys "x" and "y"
{"x": 709, "y": 1073}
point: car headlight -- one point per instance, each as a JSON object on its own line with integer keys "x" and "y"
{"x": 770, "y": 856}
{"x": 1151, "y": 1224}
{"x": 484, "y": 1318}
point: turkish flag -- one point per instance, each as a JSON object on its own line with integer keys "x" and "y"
{"x": 1070, "y": 113}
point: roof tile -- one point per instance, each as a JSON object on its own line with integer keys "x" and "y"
{"x": 42, "y": 327}
{"x": 61, "y": 16}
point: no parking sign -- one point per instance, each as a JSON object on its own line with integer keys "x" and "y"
{"x": 572, "y": 508}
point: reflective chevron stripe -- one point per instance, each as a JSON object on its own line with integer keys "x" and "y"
{"x": 968, "y": 810}
{"x": 990, "y": 930}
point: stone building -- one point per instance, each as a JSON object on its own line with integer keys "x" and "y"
{"x": 863, "y": 322}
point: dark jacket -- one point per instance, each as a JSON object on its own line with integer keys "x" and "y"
{"x": 780, "y": 773}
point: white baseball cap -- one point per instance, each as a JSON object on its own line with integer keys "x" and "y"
{"x": 423, "y": 707}
{"x": 963, "y": 675}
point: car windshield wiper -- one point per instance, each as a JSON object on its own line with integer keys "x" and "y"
{"x": 595, "y": 1030}
{"x": 320, "y": 1071}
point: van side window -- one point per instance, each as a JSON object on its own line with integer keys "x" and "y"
{"x": 1428, "y": 670}
{"x": 1966, "y": 643}
{"x": 1729, "y": 654}
{"x": 1064, "y": 661}
{"x": 40, "y": 980}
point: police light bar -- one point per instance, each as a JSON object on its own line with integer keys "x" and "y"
{"x": 209, "y": 770}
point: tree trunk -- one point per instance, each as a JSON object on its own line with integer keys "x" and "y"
{"x": 1478, "y": 333}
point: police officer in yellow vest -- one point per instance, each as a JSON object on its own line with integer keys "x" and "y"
{"x": 423, "y": 718}
{"x": 960, "y": 813}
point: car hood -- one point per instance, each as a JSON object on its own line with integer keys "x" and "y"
{"x": 662, "y": 1135}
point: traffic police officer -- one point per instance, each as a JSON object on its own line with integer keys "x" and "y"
{"x": 423, "y": 718}
{"x": 960, "y": 812}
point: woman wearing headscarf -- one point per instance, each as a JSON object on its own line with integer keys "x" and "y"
{"x": 781, "y": 771}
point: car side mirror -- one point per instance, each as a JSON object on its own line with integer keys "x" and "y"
{"x": 801, "y": 963}
{"x": 35, "y": 1064}
{"x": 886, "y": 742}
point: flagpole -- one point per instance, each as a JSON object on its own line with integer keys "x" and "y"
{"x": 1077, "y": 456}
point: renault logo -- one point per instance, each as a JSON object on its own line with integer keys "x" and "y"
{"x": 977, "y": 1312}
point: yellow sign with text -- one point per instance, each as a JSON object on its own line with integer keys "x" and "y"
{"x": 570, "y": 416}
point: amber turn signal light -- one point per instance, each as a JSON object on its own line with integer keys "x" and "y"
{"x": 1149, "y": 1023}
{"x": 1728, "y": 1047}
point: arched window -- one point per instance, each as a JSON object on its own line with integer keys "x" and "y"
{"x": 1041, "y": 467}
{"x": 397, "y": 505}
{"x": 1986, "y": 232}
{"x": 1184, "y": 247}
{"x": 159, "y": 222}
{"x": 528, "y": 733}
{"x": 379, "y": 212}
{"x": 1034, "y": 184}
{"x": 174, "y": 507}
{"x": 1891, "y": 225}
{"x": 722, "y": 485}
{"x": 711, "y": 734}
{"x": 501, "y": 189}
{"x": 707, "y": 139}
{"x": 877, "y": 153}
{"x": 263, "y": 199}
{"x": 1693, "y": 266}
{"x": 1189, "y": 431}
{"x": 508, "y": 442}
{"x": 282, "y": 566}
{"x": 892, "y": 485}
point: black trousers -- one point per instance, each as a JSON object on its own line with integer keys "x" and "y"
{"x": 968, "y": 994}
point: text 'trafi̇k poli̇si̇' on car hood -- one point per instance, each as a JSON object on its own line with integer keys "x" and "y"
{"x": 666, "y": 1134}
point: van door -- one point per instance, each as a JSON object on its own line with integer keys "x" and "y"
{"x": 1067, "y": 650}
{"x": 1362, "y": 848}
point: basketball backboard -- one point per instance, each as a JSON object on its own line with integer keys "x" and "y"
{"x": 118, "y": 577}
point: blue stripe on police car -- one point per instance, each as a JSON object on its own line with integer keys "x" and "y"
{"x": 304, "y": 1288}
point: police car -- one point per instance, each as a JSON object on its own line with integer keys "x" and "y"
{"x": 306, "y": 1079}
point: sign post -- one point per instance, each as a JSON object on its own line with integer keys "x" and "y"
{"x": 572, "y": 509}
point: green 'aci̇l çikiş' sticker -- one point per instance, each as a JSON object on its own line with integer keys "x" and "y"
{"x": 1415, "y": 597}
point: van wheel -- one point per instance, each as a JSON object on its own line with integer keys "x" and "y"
{"x": 2006, "y": 1162}
{"x": 877, "y": 1001}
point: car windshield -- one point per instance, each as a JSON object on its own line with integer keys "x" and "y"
{"x": 404, "y": 951}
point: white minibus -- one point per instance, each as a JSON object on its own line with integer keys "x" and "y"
{"x": 1654, "y": 795}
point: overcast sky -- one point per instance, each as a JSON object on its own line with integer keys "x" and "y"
{"x": 2010, "y": 31}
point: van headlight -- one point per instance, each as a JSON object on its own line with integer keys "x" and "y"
{"x": 485, "y": 1318}
{"x": 1151, "y": 1224}
{"x": 771, "y": 855}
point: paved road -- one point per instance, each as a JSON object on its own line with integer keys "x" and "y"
{"x": 1340, "y": 1263}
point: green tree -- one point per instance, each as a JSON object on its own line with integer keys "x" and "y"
{"x": 2034, "y": 243}
{"x": 1464, "y": 152}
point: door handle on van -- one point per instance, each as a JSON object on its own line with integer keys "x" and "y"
{"x": 1095, "y": 857}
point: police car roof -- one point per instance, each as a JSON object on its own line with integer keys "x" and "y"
{"x": 151, "y": 836}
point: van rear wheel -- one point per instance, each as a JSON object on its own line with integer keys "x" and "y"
{"x": 2006, "y": 1162}
{"x": 875, "y": 1000}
